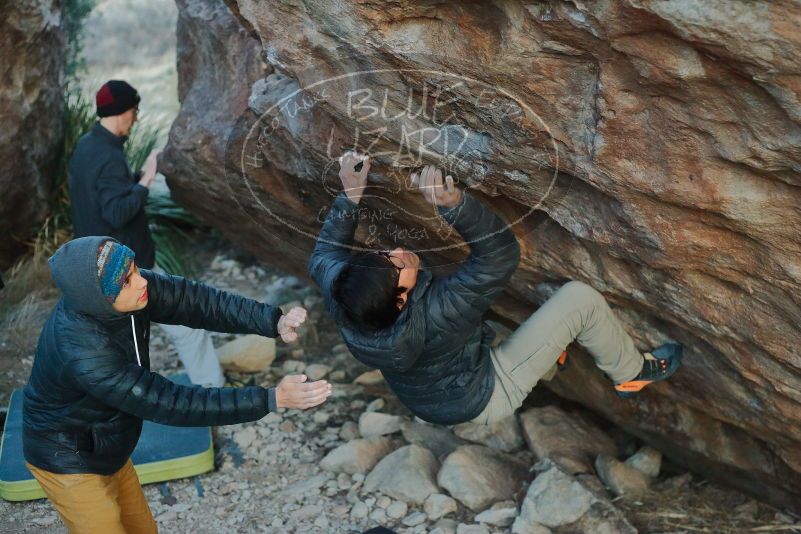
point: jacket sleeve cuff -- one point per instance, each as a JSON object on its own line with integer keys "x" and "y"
{"x": 272, "y": 404}
{"x": 273, "y": 315}
{"x": 450, "y": 214}
{"x": 140, "y": 190}
{"x": 343, "y": 203}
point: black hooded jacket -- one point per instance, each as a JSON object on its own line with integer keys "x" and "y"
{"x": 91, "y": 385}
{"x": 435, "y": 357}
{"x": 105, "y": 196}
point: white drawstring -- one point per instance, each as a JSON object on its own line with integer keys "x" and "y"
{"x": 136, "y": 345}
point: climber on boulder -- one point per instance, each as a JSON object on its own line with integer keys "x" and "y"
{"x": 426, "y": 333}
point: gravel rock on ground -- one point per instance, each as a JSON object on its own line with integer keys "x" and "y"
{"x": 565, "y": 438}
{"x": 438, "y": 505}
{"x": 500, "y": 514}
{"x": 439, "y": 440}
{"x": 478, "y": 476}
{"x": 648, "y": 460}
{"x": 557, "y": 499}
{"x": 621, "y": 478}
{"x": 247, "y": 354}
{"x": 504, "y": 435}
{"x": 379, "y": 424}
{"x": 358, "y": 455}
{"x": 408, "y": 474}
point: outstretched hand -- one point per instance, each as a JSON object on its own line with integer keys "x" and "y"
{"x": 429, "y": 182}
{"x": 354, "y": 181}
{"x": 294, "y": 392}
{"x": 289, "y": 322}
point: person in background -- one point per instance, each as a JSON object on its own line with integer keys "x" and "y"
{"x": 107, "y": 198}
{"x": 427, "y": 334}
{"x": 91, "y": 384}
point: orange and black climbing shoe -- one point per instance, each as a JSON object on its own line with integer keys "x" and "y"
{"x": 667, "y": 360}
{"x": 562, "y": 362}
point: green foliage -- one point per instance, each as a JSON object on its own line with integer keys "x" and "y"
{"x": 78, "y": 118}
{"x": 171, "y": 226}
{"x": 75, "y": 12}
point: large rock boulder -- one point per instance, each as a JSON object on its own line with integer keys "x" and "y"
{"x": 649, "y": 148}
{"x": 31, "y": 103}
{"x": 556, "y": 499}
{"x": 478, "y": 476}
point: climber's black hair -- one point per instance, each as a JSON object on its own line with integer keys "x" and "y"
{"x": 367, "y": 288}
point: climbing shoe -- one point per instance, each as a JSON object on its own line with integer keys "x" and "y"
{"x": 667, "y": 360}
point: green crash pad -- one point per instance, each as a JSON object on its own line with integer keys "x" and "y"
{"x": 163, "y": 453}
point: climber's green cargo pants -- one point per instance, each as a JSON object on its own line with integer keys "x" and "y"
{"x": 575, "y": 312}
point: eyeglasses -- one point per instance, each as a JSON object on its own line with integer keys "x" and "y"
{"x": 388, "y": 256}
{"x": 399, "y": 290}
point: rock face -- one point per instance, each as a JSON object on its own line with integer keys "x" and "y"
{"x": 657, "y": 143}
{"x": 31, "y": 103}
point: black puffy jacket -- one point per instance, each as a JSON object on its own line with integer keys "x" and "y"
{"x": 436, "y": 355}
{"x": 91, "y": 387}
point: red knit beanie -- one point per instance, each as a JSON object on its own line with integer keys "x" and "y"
{"x": 115, "y": 98}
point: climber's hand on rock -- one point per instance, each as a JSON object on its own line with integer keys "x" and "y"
{"x": 294, "y": 392}
{"x": 289, "y": 322}
{"x": 150, "y": 168}
{"x": 435, "y": 191}
{"x": 354, "y": 181}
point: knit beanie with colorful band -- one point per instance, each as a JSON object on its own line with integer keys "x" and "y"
{"x": 113, "y": 263}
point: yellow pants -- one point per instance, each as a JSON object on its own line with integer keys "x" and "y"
{"x": 102, "y": 504}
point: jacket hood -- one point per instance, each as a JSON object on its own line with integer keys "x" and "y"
{"x": 74, "y": 270}
{"x": 406, "y": 336}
